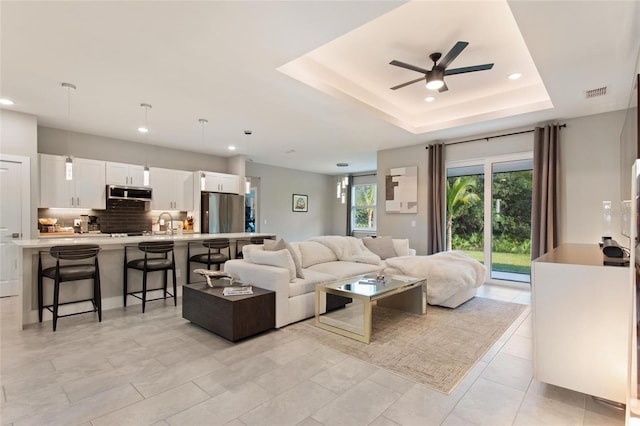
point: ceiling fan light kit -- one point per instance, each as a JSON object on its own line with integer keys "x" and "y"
{"x": 435, "y": 79}
{"x": 435, "y": 76}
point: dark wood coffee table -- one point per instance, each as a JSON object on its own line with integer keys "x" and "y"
{"x": 232, "y": 317}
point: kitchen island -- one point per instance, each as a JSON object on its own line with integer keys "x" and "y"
{"x": 111, "y": 259}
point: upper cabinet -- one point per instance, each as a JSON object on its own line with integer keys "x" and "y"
{"x": 172, "y": 189}
{"x": 124, "y": 174}
{"x": 86, "y": 190}
{"x": 221, "y": 182}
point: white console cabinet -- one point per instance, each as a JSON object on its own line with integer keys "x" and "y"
{"x": 581, "y": 327}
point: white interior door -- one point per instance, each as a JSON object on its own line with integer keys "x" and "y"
{"x": 10, "y": 225}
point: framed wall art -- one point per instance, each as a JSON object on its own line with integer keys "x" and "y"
{"x": 300, "y": 203}
{"x": 401, "y": 190}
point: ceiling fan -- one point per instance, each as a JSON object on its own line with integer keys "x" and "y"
{"x": 435, "y": 77}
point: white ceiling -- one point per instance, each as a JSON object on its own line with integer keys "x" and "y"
{"x": 311, "y": 79}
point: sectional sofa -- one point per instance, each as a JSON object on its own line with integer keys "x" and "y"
{"x": 293, "y": 270}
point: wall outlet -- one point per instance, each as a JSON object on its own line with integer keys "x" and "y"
{"x": 413, "y": 223}
{"x": 178, "y": 273}
{"x": 265, "y": 221}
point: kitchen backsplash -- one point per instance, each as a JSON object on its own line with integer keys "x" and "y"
{"x": 120, "y": 216}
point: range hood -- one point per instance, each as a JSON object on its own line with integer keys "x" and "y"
{"x": 117, "y": 192}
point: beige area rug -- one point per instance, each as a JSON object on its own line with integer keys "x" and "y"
{"x": 437, "y": 349}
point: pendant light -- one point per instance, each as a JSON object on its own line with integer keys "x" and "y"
{"x": 203, "y": 178}
{"x": 247, "y": 181}
{"x": 345, "y": 184}
{"x": 68, "y": 163}
{"x": 145, "y": 131}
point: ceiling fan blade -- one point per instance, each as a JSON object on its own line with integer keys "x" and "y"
{"x": 444, "y": 88}
{"x": 453, "y": 54}
{"x": 468, "y": 69}
{"x": 399, "y": 86}
{"x": 408, "y": 66}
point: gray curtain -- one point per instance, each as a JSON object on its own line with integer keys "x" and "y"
{"x": 436, "y": 199}
{"x": 544, "y": 214}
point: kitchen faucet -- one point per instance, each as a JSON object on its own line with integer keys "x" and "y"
{"x": 169, "y": 230}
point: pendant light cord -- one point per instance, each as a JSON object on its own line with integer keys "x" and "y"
{"x": 68, "y": 86}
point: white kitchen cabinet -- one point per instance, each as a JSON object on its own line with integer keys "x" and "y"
{"x": 221, "y": 182}
{"x": 86, "y": 190}
{"x": 172, "y": 189}
{"x": 124, "y": 174}
{"x": 581, "y": 327}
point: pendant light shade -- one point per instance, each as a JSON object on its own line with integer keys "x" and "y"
{"x": 247, "y": 180}
{"x": 68, "y": 163}
{"x": 68, "y": 168}
{"x": 203, "y": 177}
{"x": 341, "y": 189}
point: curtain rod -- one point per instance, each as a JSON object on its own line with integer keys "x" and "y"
{"x": 496, "y": 136}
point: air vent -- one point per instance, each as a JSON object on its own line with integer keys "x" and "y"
{"x": 594, "y": 93}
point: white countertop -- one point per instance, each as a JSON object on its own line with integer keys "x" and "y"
{"x": 104, "y": 239}
{"x": 574, "y": 254}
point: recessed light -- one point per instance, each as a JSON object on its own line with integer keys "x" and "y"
{"x": 429, "y": 99}
{"x": 232, "y": 147}
{"x": 515, "y": 76}
{"x": 143, "y": 130}
{"x": 5, "y": 101}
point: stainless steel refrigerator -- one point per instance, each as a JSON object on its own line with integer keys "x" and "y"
{"x": 221, "y": 213}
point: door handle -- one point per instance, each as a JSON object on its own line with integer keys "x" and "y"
{"x": 16, "y": 235}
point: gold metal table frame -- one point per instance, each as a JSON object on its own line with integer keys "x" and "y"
{"x": 398, "y": 292}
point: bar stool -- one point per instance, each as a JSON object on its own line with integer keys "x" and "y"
{"x": 244, "y": 242}
{"x": 213, "y": 256}
{"x": 62, "y": 273}
{"x": 156, "y": 258}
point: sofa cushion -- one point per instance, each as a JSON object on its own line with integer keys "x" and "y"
{"x": 272, "y": 245}
{"x": 314, "y": 253}
{"x": 382, "y": 246}
{"x": 308, "y": 284}
{"x": 401, "y": 247}
{"x": 280, "y": 258}
{"x": 344, "y": 269}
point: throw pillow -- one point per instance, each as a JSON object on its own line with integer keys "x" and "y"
{"x": 280, "y": 259}
{"x": 281, "y": 244}
{"x": 273, "y": 245}
{"x": 382, "y": 246}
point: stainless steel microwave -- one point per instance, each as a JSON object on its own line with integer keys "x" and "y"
{"x": 117, "y": 192}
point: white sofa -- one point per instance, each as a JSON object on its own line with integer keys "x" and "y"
{"x": 320, "y": 260}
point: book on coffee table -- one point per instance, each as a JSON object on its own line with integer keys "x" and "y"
{"x": 237, "y": 291}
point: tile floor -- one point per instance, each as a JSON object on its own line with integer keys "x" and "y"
{"x": 158, "y": 369}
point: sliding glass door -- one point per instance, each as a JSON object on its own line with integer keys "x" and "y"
{"x": 489, "y": 214}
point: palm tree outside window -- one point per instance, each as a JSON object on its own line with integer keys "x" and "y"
{"x": 363, "y": 207}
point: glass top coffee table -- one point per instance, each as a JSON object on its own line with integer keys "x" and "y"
{"x": 354, "y": 321}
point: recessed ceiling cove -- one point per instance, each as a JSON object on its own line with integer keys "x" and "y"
{"x": 356, "y": 66}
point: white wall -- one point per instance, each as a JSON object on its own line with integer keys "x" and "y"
{"x": 19, "y": 136}
{"x": 400, "y": 225}
{"x": 54, "y": 141}
{"x": 589, "y": 174}
{"x": 277, "y": 185}
{"x": 589, "y": 155}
